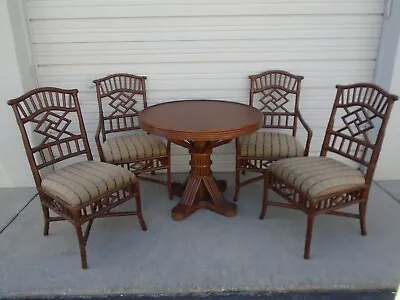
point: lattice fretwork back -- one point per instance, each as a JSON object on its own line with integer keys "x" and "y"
{"x": 55, "y": 118}
{"x": 276, "y": 93}
{"x": 358, "y": 122}
{"x": 121, "y": 97}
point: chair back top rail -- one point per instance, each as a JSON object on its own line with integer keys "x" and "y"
{"x": 121, "y": 97}
{"x": 357, "y": 124}
{"x": 276, "y": 94}
{"x": 51, "y": 125}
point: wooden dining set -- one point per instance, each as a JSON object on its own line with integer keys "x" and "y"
{"x": 134, "y": 141}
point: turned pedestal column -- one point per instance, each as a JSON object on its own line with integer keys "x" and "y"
{"x": 200, "y": 189}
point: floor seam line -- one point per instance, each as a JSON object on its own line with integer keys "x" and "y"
{"x": 17, "y": 214}
{"x": 387, "y": 192}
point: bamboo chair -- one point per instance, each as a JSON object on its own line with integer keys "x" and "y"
{"x": 120, "y": 98}
{"x": 323, "y": 185}
{"x": 82, "y": 191}
{"x": 276, "y": 94}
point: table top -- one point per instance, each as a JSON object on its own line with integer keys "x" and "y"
{"x": 200, "y": 120}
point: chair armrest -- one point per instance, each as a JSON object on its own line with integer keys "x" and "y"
{"x": 100, "y": 131}
{"x": 309, "y": 133}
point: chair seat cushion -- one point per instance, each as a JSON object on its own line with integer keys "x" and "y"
{"x": 317, "y": 176}
{"x": 81, "y": 182}
{"x": 129, "y": 148}
{"x": 270, "y": 145}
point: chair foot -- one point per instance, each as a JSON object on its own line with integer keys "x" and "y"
{"x": 310, "y": 226}
{"x": 235, "y": 198}
{"x": 363, "y": 210}
{"x": 139, "y": 207}
{"x": 169, "y": 182}
{"x": 265, "y": 198}
{"x": 170, "y": 195}
{"x": 82, "y": 247}
{"x": 141, "y": 222}
{"x": 46, "y": 215}
{"x": 46, "y": 229}
{"x": 263, "y": 211}
{"x": 237, "y": 186}
{"x": 243, "y": 172}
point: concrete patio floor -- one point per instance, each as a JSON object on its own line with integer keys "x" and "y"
{"x": 204, "y": 253}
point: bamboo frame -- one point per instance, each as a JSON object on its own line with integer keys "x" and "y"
{"x": 285, "y": 84}
{"x": 109, "y": 89}
{"x": 353, "y": 99}
{"x": 51, "y": 110}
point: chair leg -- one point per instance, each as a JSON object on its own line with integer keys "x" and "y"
{"x": 310, "y": 225}
{"x": 139, "y": 208}
{"x": 265, "y": 197}
{"x": 363, "y": 212}
{"x": 237, "y": 186}
{"x": 140, "y": 216}
{"x": 46, "y": 215}
{"x": 82, "y": 246}
{"x": 87, "y": 231}
{"x": 169, "y": 182}
{"x": 237, "y": 181}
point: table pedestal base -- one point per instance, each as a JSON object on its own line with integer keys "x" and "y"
{"x": 201, "y": 190}
{"x": 178, "y": 187}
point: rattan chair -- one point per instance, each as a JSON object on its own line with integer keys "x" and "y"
{"x": 79, "y": 192}
{"x": 323, "y": 185}
{"x": 276, "y": 94}
{"x": 121, "y": 97}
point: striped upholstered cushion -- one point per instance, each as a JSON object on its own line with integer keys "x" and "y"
{"x": 270, "y": 145}
{"x": 127, "y": 148}
{"x": 82, "y": 182}
{"x": 317, "y": 176}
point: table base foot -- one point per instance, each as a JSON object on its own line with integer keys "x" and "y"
{"x": 201, "y": 192}
{"x": 182, "y": 211}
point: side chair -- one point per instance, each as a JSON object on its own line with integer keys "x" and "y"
{"x": 324, "y": 185}
{"x": 276, "y": 94}
{"x": 53, "y": 132}
{"x": 120, "y": 98}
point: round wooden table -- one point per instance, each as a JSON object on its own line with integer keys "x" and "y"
{"x": 200, "y": 126}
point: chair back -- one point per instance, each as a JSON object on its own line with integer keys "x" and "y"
{"x": 276, "y": 94}
{"x": 120, "y": 97}
{"x": 51, "y": 125}
{"x": 357, "y": 124}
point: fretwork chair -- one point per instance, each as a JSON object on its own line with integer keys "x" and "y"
{"x": 81, "y": 191}
{"x": 120, "y": 98}
{"x": 324, "y": 185}
{"x": 276, "y": 94}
